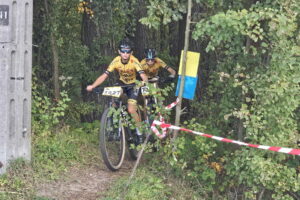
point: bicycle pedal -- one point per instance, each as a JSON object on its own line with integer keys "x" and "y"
{"x": 110, "y": 139}
{"x": 130, "y": 139}
{"x": 140, "y": 139}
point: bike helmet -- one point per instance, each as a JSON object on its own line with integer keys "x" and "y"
{"x": 150, "y": 54}
{"x": 125, "y": 46}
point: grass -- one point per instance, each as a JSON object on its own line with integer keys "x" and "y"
{"x": 148, "y": 185}
{"x": 152, "y": 183}
{"x": 18, "y": 182}
{"x": 144, "y": 185}
{"x": 55, "y": 153}
{"x": 52, "y": 155}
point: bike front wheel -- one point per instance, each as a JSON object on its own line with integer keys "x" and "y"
{"x": 112, "y": 141}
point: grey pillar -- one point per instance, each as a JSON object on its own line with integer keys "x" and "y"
{"x": 15, "y": 80}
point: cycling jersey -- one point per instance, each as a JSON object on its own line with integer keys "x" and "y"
{"x": 152, "y": 71}
{"x": 127, "y": 72}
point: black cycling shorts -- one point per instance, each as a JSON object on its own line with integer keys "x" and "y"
{"x": 131, "y": 92}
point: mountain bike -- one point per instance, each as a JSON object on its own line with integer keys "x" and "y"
{"x": 153, "y": 104}
{"x": 116, "y": 132}
{"x": 150, "y": 100}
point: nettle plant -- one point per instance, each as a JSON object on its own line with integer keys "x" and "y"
{"x": 46, "y": 112}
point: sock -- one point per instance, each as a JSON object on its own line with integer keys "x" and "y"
{"x": 138, "y": 132}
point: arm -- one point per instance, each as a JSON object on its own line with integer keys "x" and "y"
{"x": 165, "y": 66}
{"x": 98, "y": 82}
{"x": 141, "y": 72}
{"x": 172, "y": 71}
{"x": 144, "y": 77}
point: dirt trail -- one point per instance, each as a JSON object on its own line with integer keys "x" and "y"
{"x": 82, "y": 183}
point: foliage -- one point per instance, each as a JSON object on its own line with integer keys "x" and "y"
{"x": 47, "y": 114}
{"x": 195, "y": 159}
{"x": 257, "y": 61}
{"x": 118, "y": 16}
{"x": 249, "y": 87}
{"x": 163, "y": 12}
{"x": 254, "y": 50}
{"x": 53, "y": 154}
{"x": 17, "y": 183}
{"x": 144, "y": 186}
{"x": 85, "y": 7}
{"x": 64, "y": 22}
{"x": 266, "y": 172}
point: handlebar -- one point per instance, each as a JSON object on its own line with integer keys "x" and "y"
{"x": 157, "y": 79}
{"x": 154, "y": 79}
{"x": 99, "y": 90}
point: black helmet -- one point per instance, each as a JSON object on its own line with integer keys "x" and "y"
{"x": 150, "y": 53}
{"x": 125, "y": 45}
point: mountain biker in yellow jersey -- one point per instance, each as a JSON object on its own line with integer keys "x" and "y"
{"x": 127, "y": 66}
{"x": 151, "y": 64}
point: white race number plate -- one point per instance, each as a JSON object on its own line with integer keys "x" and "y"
{"x": 112, "y": 91}
{"x": 145, "y": 90}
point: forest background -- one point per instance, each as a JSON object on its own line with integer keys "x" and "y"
{"x": 248, "y": 86}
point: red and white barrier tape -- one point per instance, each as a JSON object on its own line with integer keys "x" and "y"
{"x": 161, "y": 119}
{"x": 172, "y": 104}
{"x": 271, "y": 148}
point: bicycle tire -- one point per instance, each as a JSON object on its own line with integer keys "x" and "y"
{"x": 112, "y": 142}
{"x": 150, "y": 116}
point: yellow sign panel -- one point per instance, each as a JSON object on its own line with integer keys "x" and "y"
{"x": 192, "y": 63}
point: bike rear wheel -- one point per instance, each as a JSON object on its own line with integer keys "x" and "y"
{"x": 112, "y": 142}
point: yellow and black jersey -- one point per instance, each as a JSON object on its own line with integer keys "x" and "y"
{"x": 152, "y": 71}
{"x": 127, "y": 72}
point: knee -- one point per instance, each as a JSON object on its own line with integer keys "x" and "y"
{"x": 131, "y": 109}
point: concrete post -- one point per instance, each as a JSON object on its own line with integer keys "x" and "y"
{"x": 15, "y": 80}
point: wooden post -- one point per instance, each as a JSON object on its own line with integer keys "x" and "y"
{"x": 186, "y": 46}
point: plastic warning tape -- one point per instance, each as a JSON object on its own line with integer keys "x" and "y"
{"x": 162, "y": 119}
{"x": 172, "y": 104}
{"x": 271, "y": 148}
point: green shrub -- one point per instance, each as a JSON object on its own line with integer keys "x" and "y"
{"x": 53, "y": 153}
{"x": 18, "y": 181}
{"x": 144, "y": 185}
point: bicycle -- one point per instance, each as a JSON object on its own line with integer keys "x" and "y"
{"x": 154, "y": 105}
{"x": 150, "y": 99}
{"x": 115, "y": 132}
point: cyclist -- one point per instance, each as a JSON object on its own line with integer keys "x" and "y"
{"x": 127, "y": 66}
{"x": 151, "y": 64}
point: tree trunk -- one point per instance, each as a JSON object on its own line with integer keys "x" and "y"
{"x": 173, "y": 36}
{"x": 142, "y": 32}
{"x": 181, "y": 32}
{"x": 55, "y": 58}
{"x": 55, "y": 67}
{"x": 186, "y": 46}
{"x": 240, "y": 129}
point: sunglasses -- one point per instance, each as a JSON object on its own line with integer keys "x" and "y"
{"x": 151, "y": 60}
{"x": 128, "y": 51}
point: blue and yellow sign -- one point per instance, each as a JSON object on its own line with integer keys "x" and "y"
{"x": 191, "y": 78}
